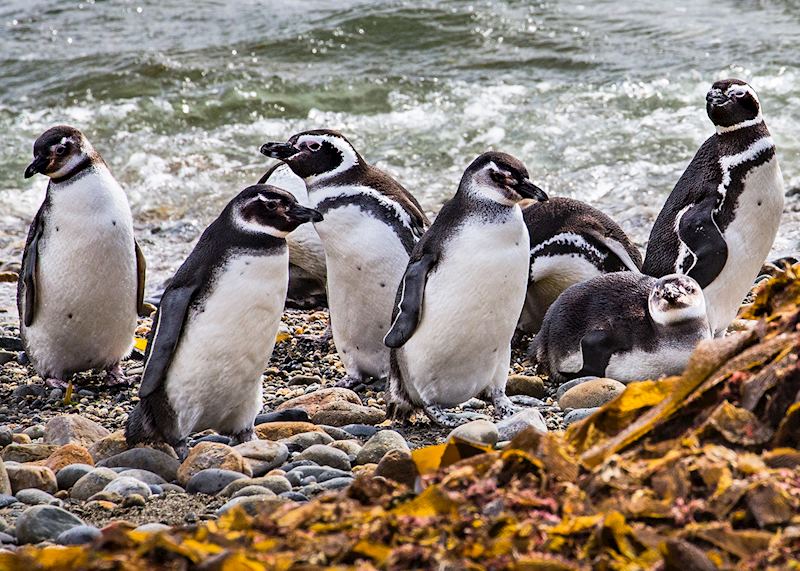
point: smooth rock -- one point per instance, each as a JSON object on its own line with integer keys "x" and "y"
{"x": 361, "y": 431}
{"x": 5, "y": 483}
{"x": 78, "y": 535}
{"x": 377, "y": 446}
{"x": 6, "y": 539}
{"x": 573, "y": 383}
{"x": 27, "y": 452}
{"x": 155, "y": 489}
{"x": 153, "y": 527}
{"x": 279, "y": 430}
{"x": 305, "y": 380}
{"x": 150, "y": 478}
{"x": 335, "y": 483}
{"x": 219, "y": 438}
{"x": 349, "y": 447}
{"x": 276, "y": 484}
{"x": 145, "y": 459}
{"x": 253, "y": 491}
{"x": 126, "y": 486}
{"x": 173, "y": 488}
{"x": 19, "y": 438}
{"x": 92, "y": 483}
{"x": 6, "y": 500}
{"x": 579, "y": 414}
{"x": 253, "y": 504}
{"x": 35, "y": 431}
{"x": 293, "y": 496}
{"x": 73, "y": 429}
{"x": 6, "y": 436}
{"x": 68, "y": 475}
{"x": 344, "y": 413}
{"x": 261, "y": 456}
{"x": 531, "y": 386}
{"x": 108, "y": 446}
{"x": 40, "y": 523}
{"x": 480, "y": 432}
{"x": 211, "y": 481}
{"x": 325, "y": 456}
{"x": 287, "y": 415}
{"x": 35, "y": 497}
{"x": 336, "y": 433}
{"x": 305, "y": 439}
{"x": 67, "y": 455}
{"x": 509, "y": 427}
{"x": 592, "y": 393}
{"x": 314, "y": 402}
{"x": 24, "y": 476}
{"x": 397, "y": 465}
{"x": 134, "y": 500}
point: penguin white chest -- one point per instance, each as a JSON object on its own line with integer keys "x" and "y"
{"x": 214, "y": 380}
{"x": 365, "y": 263}
{"x": 749, "y": 238}
{"x": 86, "y": 278}
{"x": 472, "y": 302}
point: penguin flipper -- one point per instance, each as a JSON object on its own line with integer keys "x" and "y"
{"x": 699, "y": 231}
{"x": 598, "y": 346}
{"x": 409, "y": 307}
{"x": 166, "y": 334}
{"x": 30, "y": 260}
{"x": 141, "y": 269}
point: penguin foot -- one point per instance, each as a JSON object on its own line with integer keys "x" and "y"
{"x": 241, "y": 437}
{"x": 451, "y": 419}
{"x": 115, "y": 376}
{"x": 527, "y": 402}
{"x": 181, "y": 449}
{"x": 503, "y": 405}
{"x": 54, "y": 383}
{"x": 349, "y": 382}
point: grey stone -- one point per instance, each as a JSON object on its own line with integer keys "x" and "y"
{"x": 145, "y": 459}
{"x": 303, "y": 440}
{"x": 579, "y": 414}
{"x": 287, "y": 415}
{"x": 72, "y": 428}
{"x": 6, "y": 539}
{"x": 214, "y": 438}
{"x": 519, "y": 421}
{"x": 36, "y": 431}
{"x": 325, "y": 456}
{"x": 68, "y": 475}
{"x": 5, "y": 482}
{"x": 305, "y": 380}
{"x": 40, "y": 523}
{"x": 145, "y": 476}
{"x": 153, "y": 527}
{"x": 34, "y": 497}
{"x": 6, "y": 500}
{"x": 336, "y": 433}
{"x": 478, "y": 432}
{"x": 155, "y": 489}
{"x": 320, "y": 473}
{"x": 362, "y": 431}
{"x": 263, "y": 455}
{"x": 349, "y": 447}
{"x": 91, "y": 483}
{"x": 6, "y": 436}
{"x": 252, "y": 504}
{"x": 276, "y": 484}
{"x": 335, "y": 483}
{"x": 253, "y": 491}
{"x": 173, "y": 488}
{"x": 379, "y": 444}
{"x": 294, "y": 496}
{"x": 126, "y": 486}
{"x": 78, "y": 535}
{"x": 212, "y": 480}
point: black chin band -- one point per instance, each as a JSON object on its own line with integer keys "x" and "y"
{"x": 85, "y": 163}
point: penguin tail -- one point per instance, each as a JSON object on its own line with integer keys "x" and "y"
{"x": 537, "y": 354}
{"x": 140, "y": 427}
{"x": 398, "y": 402}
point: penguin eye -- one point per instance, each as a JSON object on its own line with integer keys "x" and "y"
{"x": 314, "y": 146}
{"x": 499, "y": 177}
{"x": 738, "y": 93}
{"x": 61, "y": 150}
{"x": 271, "y": 204}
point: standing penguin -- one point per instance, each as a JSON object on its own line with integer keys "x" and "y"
{"x": 571, "y": 242}
{"x": 461, "y": 295}
{"x": 215, "y": 328}
{"x": 720, "y": 220}
{"x": 82, "y": 278}
{"x": 371, "y": 225}
{"x": 624, "y": 325}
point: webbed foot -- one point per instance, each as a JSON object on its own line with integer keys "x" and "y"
{"x": 115, "y": 376}
{"x": 181, "y": 449}
{"x": 349, "y": 382}
{"x": 451, "y": 419}
{"x": 55, "y": 383}
{"x": 502, "y": 404}
{"x": 241, "y": 437}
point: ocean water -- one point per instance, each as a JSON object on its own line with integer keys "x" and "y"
{"x": 603, "y": 100}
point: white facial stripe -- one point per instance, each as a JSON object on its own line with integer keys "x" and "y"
{"x": 318, "y": 196}
{"x": 349, "y": 157}
{"x": 254, "y": 228}
{"x": 74, "y": 161}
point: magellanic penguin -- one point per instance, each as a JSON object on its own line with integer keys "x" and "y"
{"x": 82, "y": 278}
{"x": 370, "y": 227}
{"x": 719, "y": 222}
{"x": 571, "y": 242}
{"x": 623, "y": 325}
{"x": 216, "y": 324}
{"x": 461, "y": 296}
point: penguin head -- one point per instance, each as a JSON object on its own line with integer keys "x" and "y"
{"x": 265, "y": 209}
{"x": 676, "y": 298}
{"x": 732, "y": 104}
{"x": 315, "y": 155}
{"x": 501, "y": 178}
{"x": 60, "y": 151}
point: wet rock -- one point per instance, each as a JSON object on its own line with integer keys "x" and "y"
{"x": 68, "y": 475}
{"x": 361, "y": 431}
{"x": 126, "y": 486}
{"x": 78, "y": 535}
{"x": 67, "y": 455}
{"x": 525, "y": 385}
{"x": 261, "y": 456}
{"x": 35, "y": 497}
{"x": 279, "y": 430}
{"x": 145, "y": 459}
{"x": 212, "y": 480}
{"x": 509, "y": 427}
{"x": 150, "y": 478}
{"x": 377, "y": 446}
{"x": 320, "y": 400}
{"x": 303, "y": 440}
{"x": 91, "y": 483}
{"x": 573, "y": 383}
{"x": 397, "y": 465}
{"x": 344, "y": 413}
{"x": 286, "y": 415}
{"x": 27, "y": 452}
{"x": 73, "y": 429}
{"x": 480, "y": 432}
{"x": 579, "y": 414}
{"x": 253, "y": 504}
{"x": 592, "y": 393}
{"x": 24, "y": 476}
{"x": 325, "y": 456}
{"x": 41, "y": 523}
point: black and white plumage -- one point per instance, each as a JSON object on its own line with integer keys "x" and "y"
{"x": 571, "y": 242}
{"x": 461, "y": 295}
{"x": 82, "y": 278}
{"x": 216, "y": 324}
{"x": 371, "y": 225}
{"x": 720, "y": 220}
{"x": 623, "y": 325}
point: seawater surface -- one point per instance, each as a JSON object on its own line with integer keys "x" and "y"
{"x": 604, "y": 100}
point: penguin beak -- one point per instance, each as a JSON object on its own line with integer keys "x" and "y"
{"x": 527, "y": 189}
{"x": 280, "y": 151}
{"x": 37, "y": 166}
{"x": 716, "y": 97}
{"x": 303, "y": 214}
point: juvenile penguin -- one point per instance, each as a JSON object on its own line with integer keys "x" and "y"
{"x": 720, "y": 220}
{"x": 370, "y": 227}
{"x": 623, "y": 325}
{"x": 215, "y": 328}
{"x": 571, "y": 242}
{"x": 461, "y": 295}
{"x": 82, "y": 278}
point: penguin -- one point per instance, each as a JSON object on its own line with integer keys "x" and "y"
{"x": 371, "y": 225}
{"x": 623, "y": 325}
{"x": 215, "y": 327}
{"x": 571, "y": 242}
{"x": 720, "y": 220}
{"x": 83, "y": 273}
{"x": 461, "y": 296}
